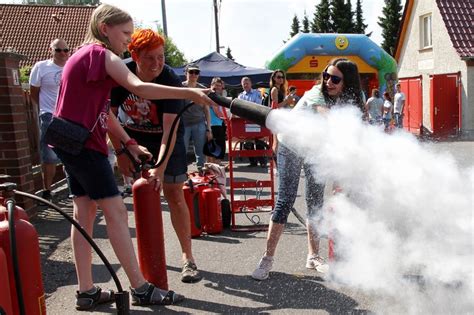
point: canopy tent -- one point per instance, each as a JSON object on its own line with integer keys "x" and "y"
{"x": 217, "y": 65}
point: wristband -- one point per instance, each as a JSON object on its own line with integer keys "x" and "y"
{"x": 131, "y": 141}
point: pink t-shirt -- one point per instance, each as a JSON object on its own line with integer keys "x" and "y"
{"x": 84, "y": 93}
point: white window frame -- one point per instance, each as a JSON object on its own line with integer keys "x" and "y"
{"x": 426, "y": 31}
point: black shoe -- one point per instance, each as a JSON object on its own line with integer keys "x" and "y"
{"x": 87, "y": 301}
{"x": 46, "y": 194}
{"x": 155, "y": 296}
{"x": 190, "y": 274}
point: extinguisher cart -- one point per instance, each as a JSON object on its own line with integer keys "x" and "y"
{"x": 240, "y": 130}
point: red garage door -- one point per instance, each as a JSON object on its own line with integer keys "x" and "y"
{"x": 413, "y": 112}
{"x": 444, "y": 104}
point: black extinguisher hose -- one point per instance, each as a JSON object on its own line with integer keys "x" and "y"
{"x": 16, "y": 270}
{"x": 121, "y": 297}
{"x": 146, "y": 166}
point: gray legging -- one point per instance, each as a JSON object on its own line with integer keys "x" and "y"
{"x": 289, "y": 169}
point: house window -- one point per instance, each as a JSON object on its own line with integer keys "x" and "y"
{"x": 425, "y": 33}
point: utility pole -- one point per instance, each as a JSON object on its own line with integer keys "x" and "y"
{"x": 163, "y": 14}
{"x": 217, "y": 25}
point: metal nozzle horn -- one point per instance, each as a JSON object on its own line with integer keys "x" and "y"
{"x": 251, "y": 111}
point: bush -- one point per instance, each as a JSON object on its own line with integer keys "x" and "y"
{"x": 25, "y": 74}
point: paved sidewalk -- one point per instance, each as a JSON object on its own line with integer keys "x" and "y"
{"x": 226, "y": 262}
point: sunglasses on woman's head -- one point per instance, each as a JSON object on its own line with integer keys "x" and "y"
{"x": 58, "y": 50}
{"x": 334, "y": 78}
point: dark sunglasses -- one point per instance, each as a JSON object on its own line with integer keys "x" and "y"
{"x": 58, "y": 50}
{"x": 279, "y": 77}
{"x": 334, "y": 78}
{"x": 196, "y": 72}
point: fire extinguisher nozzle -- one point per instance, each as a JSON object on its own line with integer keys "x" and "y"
{"x": 122, "y": 302}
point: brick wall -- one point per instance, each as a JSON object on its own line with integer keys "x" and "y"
{"x": 14, "y": 142}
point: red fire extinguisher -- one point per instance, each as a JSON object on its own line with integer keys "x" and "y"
{"x": 19, "y": 212}
{"x": 5, "y": 295}
{"x": 150, "y": 236}
{"x": 210, "y": 197}
{"x": 191, "y": 196}
{"x": 29, "y": 265}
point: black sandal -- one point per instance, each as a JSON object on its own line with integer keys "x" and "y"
{"x": 86, "y": 301}
{"x": 148, "y": 297}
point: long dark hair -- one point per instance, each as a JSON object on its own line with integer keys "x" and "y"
{"x": 281, "y": 89}
{"x": 351, "y": 91}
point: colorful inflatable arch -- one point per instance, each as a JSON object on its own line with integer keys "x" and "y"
{"x": 305, "y": 56}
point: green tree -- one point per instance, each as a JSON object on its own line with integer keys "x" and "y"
{"x": 359, "y": 26}
{"x": 305, "y": 23}
{"x": 390, "y": 24}
{"x": 321, "y": 22}
{"x": 295, "y": 26}
{"x": 341, "y": 16}
{"x": 228, "y": 54}
{"x": 173, "y": 56}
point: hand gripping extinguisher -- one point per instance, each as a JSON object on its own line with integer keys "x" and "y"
{"x": 19, "y": 241}
{"x": 150, "y": 236}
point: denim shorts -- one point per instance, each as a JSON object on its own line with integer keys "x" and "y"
{"x": 47, "y": 154}
{"x": 177, "y": 167}
{"x": 89, "y": 174}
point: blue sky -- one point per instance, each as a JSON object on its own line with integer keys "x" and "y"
{"x": 253, "y": 29}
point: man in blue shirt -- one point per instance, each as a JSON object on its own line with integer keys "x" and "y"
{"x": 249, "y": 94}
{"x": 252, "y": 95}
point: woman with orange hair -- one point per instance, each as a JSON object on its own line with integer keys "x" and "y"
{"x": 151, "y": 129}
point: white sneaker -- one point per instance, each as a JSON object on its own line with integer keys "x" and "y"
{"x": 318, "y": 263}
{"x": 263, "y": 268}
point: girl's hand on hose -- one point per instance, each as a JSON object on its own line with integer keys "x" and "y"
{"x": 139, "y": 152}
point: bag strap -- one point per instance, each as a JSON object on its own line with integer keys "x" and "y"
{"x": 95, "y": 124}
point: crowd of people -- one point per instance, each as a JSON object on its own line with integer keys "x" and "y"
{"x": 133, "y": 105}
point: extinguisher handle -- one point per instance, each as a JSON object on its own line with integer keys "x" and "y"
{"x": 191, "y": 185}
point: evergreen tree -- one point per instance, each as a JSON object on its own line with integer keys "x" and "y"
{"x": 390, "y": 24}
{"x": 228, "y": 54}
{"x": 359, "y": 26}
{"x": 295, "y": 26}
{"x": 341, "y": 16}
{"x": 305, "y": 23}
{"x": 349, "y": 21}
{"x": 321, "y": 22}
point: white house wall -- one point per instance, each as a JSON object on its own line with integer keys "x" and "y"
{"x": 440, "y": 59}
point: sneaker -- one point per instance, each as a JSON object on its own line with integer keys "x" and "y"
{"x": 263, "y": 268}
{"x": 155, "y": 296}
{"x": 190, "y": 274}
{"x": 318, "y": 263}
{"x": 89, "y": 299}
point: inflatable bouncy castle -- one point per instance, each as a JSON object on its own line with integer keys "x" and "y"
{"x": 306, "y": 55}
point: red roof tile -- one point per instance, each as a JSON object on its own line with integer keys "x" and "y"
{"x": 29, "y": 29}
{"x": 458, "y": 18}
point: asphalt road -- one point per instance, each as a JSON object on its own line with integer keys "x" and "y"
{"x": 226, "y": 261}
